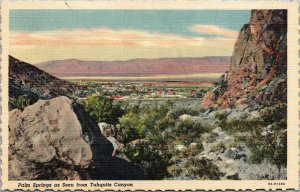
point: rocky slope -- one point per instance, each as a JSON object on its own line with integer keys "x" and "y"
{"x": 28, "y": 80}
{"x": 55, "y": 139}
{"x": 227, "y": 152}
{"x": 258, "y": 66}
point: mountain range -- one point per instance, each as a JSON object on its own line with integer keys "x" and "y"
{"x": 135, "y": 67}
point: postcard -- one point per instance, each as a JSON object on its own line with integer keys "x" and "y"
{"x": 144, "y": 95}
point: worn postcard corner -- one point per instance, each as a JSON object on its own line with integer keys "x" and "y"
{"x": 137, "y": 95}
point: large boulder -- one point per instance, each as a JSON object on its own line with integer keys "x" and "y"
{"x": 55, "y": 139}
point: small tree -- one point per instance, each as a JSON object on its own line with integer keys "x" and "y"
{"x": 102, "y": 109}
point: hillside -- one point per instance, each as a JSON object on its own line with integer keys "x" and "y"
{"x": 28, "y": 80}
{"x": 135, "y": 67}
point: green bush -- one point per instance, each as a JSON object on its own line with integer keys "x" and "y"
{"x": 129, "y": 134}
{"x": 102, "y": 109}
{"x": 274, "y": 113}
{"x": 163, "y": 124}
{"x": 242, "y": 125}
{"x": 132, "y": 120}
{"x": 272, "y": 147}
{"x": 202, "y": 169}
{"x": 221, "y": 116}
{"x": 174, "y": 170}
{"x": 221, "y": 87}
{"x": 18, "y": 103}
{"x": 149, "y": 159}
{"x": 216, "y": 147}
{"x": 190, "y": 151}
{"x": 201, "y": 92}
{"x": 144, "y": 120}
{"x": 177, "y": 112}
{"x": 188, "y": 131}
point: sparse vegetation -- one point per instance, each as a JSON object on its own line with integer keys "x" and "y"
{"x": 267, "y": 135}
{"x": 165, "y": 139}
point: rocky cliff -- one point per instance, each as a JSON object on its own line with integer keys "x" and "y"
{"x": 55, "y": 140}
{"x": 258, "y": 66}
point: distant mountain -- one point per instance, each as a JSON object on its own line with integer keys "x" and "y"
{"x": 28, "y": 80}
{"x": 135, "y": 67}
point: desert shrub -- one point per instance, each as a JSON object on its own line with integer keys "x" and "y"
{"x": 272, "y": 147}
{"x": 267, "y": 135}
{"x": 218, "y": 147}
{"x": 221, "y": 115}
{"x": 163, "y": 124}
{"x": 202, "y": 169}
{"x": 274, "y": 114}
{"x": 263, "y": 171}
{"x": 18, "y": 103}
{"x": 221, "y": 87}
{"x": 175, "y": 113}
{"x": 102, "y": 109}
{"x": 188, "y": 131}
{"x": 174, "y": 170}
{"x": 201, "y": 92}
{"x": 242, "y": 125}
{"x": 149, "y": 159}
{"x": 129, "y": 134}
{"x": 132, "y": 120}
{"x": 143, "y": 120}
{"x": 190, "y": 151}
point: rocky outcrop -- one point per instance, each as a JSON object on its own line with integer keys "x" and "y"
{"x": 55, "y": 139}
{"x": 258, "y": 66}
{"x": 28, "y": 80}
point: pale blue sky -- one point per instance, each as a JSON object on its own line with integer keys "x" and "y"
{"x": 162, "y": 21}
{"x": 42, "y": 35}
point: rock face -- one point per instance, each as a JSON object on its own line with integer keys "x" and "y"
{"x": 28, "y": 80}
{"x": 54, "y": 139}
{"x": 258, "y": 66}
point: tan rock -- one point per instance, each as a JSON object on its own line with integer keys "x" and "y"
{"x": 44, "y": 132}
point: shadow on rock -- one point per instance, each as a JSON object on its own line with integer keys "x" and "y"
{"x": 105, "y": 166}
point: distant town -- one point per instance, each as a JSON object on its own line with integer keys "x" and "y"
{"x": 126, "y": 90}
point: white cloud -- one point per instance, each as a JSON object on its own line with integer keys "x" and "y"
{"x": 215, "y": 30}
{"x": 109, "y": 37}
{"x": 109, "y": 44}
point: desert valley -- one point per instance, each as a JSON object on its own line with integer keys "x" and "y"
{"x": 184, "y": 118}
